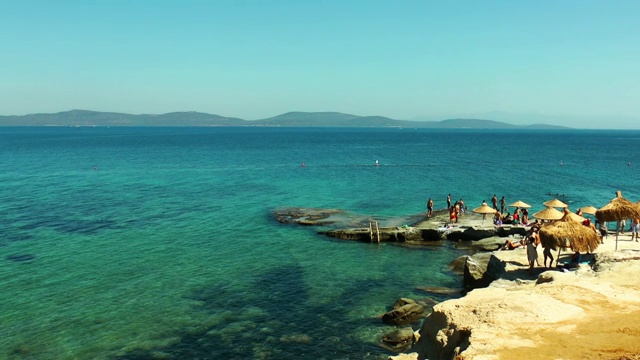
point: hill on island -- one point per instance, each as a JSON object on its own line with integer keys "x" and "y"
{"x": 290, "y": 119}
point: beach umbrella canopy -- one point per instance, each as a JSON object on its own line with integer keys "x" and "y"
{"x": 484, "y": 209}
{"x": 569, "y": 234}
{"x": 555, "y": 203}
{"x": 520, "y": 204}
{"x": 548, "y": 214}
{"x": 589, "y": 210}
{"x": 574, "y": 217}
{"x": 618, "y": 209}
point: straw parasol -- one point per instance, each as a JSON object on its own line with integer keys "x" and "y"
{"x": 548, "y": 214}
{"x": 520, "y": 204}
{"x": 589, "y": 210}
{"x": 618, "y": 209}
{"x": 555, "y": 203}
{"x": 571, "y": 216}
{"x": 565, "y": 234}
{"x": 484, "y": 209}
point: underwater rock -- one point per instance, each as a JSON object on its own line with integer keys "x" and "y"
{"x": 21, "y": 258}
{"x": 405, "y": 313}
{"x": 305, "y": 216}
{"x": 400, "y": 339}
{"x": 296, "y": 338}
{"x": 457, "y": 265}
{"x": 440, "y": 290}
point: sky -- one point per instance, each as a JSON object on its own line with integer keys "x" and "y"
{"x": 570, "y": 62}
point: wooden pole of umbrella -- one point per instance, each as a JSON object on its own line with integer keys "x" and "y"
{"x": 484, "y": 209}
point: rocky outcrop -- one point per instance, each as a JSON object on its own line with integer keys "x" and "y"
{"x": 589, "y": 313}
{"x": 457, "y": 265}
{"x": 405, "y": 311}
{"x": 395, "y": 234}
{"x": 306, "y": 216}
{"x": 478, "y": 238}
{"x": 480, "y": 270}
{"x": 489, "y": 244}
{"x": 421, "y": 231}
{"x": 400, "y": 339}
{"x": 471, "y": 233}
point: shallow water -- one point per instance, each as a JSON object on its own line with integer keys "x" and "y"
{"x": 169, "y": 245}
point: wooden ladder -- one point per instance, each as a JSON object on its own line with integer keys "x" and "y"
{"x": 371, "y": 231}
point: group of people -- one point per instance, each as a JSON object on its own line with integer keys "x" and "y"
{"x": 503, "y": 203}
{"x": 519, "y": 217}
{"x": 634, "y": 228}
{"x": 531, "y": 240}
{"x": 455, "y": 210}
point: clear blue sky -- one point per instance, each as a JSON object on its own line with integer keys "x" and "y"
{"x": 572, "y": 59}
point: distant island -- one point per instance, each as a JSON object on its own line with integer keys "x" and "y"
{"x": 290, "y": 119}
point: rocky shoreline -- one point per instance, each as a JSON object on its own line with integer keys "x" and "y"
{"x": 590, "y": 313}
{"x": 507, "y": 312}
{"x": 419, "y": 231}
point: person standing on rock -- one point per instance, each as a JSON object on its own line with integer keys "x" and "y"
{"x": 494, "y": 201}
{"x": 547, "y": 255}
{"x": 503, "y": 204}
{"x": 532, "y": 253}
{"x": 484, "y": 216}
{"x": 430, "y": 207}
{"x": 449, "y": 202}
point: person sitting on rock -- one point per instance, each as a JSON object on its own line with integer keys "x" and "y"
{"x": 507, "y": 219}
{"x": 510, "y": 245}
{"x": 536, "y": 226}
{"x": 574, "y": 263}
{"x": 497, "y": 219}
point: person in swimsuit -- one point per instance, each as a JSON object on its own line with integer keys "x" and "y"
{"x": 532, "y": 253}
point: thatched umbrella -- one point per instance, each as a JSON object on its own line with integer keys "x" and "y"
{"x": 555, "y": 203}
{"x": 565, "y": 234}
{"x": 618, "y": 209}
{"x": 520, "y": 204}
{"x": 571, "y": 216}
{"x": 548, "y": 214}
{"x": 589, "y": 210}
{"x": 484, "y": 209}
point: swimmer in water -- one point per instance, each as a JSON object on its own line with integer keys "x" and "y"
{"x": 303, "y": 165}
{"x": 377, "y": 164}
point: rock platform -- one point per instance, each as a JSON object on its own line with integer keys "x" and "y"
{"x": 592, "y": 312}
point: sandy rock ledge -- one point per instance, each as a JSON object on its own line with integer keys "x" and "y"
{"x": 590, "y": 313}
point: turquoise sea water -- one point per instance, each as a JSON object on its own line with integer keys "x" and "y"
{"x": 169, "y": 246}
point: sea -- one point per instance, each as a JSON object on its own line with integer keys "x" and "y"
{"x": 161, "y": 243}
